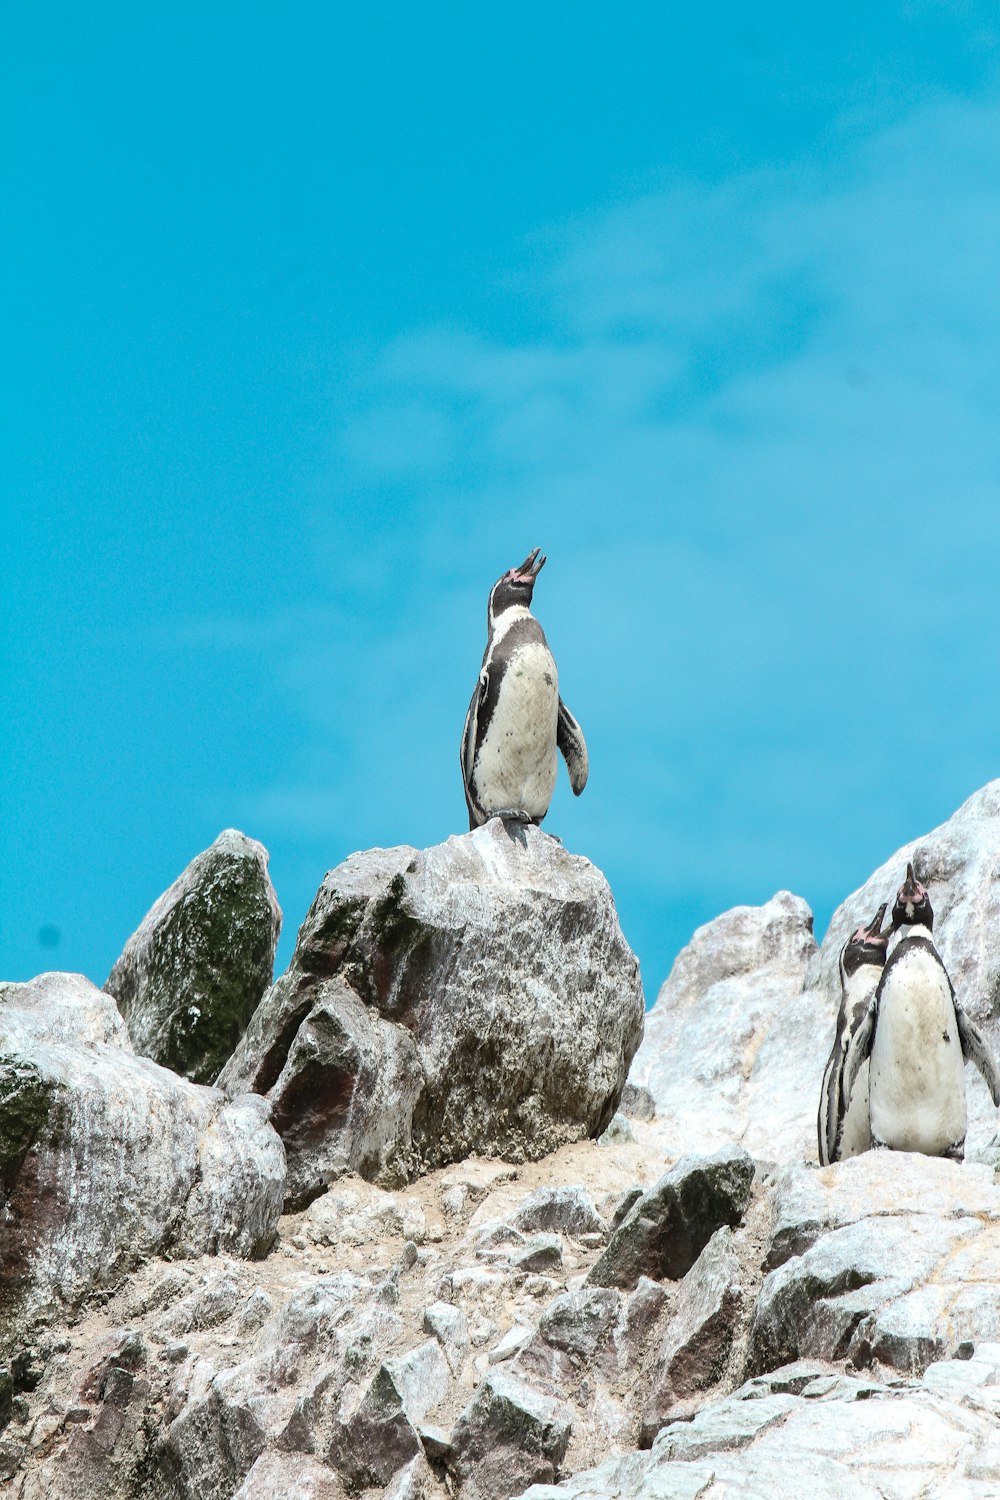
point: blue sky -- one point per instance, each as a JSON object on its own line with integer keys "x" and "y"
{"x": 318, "y": 318}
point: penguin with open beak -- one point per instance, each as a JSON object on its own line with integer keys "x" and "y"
{"x": 842, "y": 1122}
{"x": 516, "y": 720}
{"x": 918, "y": 1039}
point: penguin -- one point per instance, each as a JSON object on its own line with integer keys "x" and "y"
{"x": 842, "y": 1121}
{"x": 919, "y": 1039}
{"x": 516, "y": 719}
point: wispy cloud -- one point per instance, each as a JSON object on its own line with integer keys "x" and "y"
{"x": 756, "y": 428}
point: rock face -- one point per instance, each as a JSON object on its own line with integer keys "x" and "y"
{"x": 191, "y": 975}
{"x": 607, "y": 1322}
{"x": 810, "y": 1430}
{"x": 106, "y": 1158}
{"x": 890, "y": 1259}
{"x": 666, "y": 1230}
{"x": 476, "y": 997}
{"x": 730, "y": 1039}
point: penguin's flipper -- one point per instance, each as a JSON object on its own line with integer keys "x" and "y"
{"x": 858, "y": 1049}
{"x": 468, "y": 754}
{"x": 826, "y": 1118}
{"x": 976, "y": 1049}
{"x": 573, "y": 747}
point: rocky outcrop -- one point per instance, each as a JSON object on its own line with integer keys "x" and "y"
{"x": 809, "y": 1429}
{"x": 192, "y": 974}
{"x": 106, "y": 1158}
{"x": 476, "y": 997}
{"x": 731, "y": 1039}
{"x": 681, "y": 1305}
{"x": 665, "y": 1231}
{"x": 890, "y": 1260}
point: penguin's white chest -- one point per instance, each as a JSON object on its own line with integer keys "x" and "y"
{"x": 917, "y": 1083}
{"x": 516, "y": 763}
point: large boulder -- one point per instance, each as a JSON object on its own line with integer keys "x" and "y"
{"x": 193, "y": 972}
{"x": 730, "y": 1041}
{"x": 106, "y": 1158}
{"x": 475, "y": 997}
{"x": 810, "y": 1430}
{"x": 889, "y": 1259}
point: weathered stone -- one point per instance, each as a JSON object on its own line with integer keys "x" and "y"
{"x": 637, "y": 1102}
{"x": 382, "y": 1435}
{"x": 578, "y": 1322}
{"x": 108, "y": 1158}
{"x": 700, "y": 1335}
{"x": 541, "y": 1252}
{"x": 450, "y": 1327}
{"x": 509, "y": 1436}
{"x": 729, "y": 1040}
{"x": 107, "y": 1445}
{"x": 819, "y": 1434}
{"x": 192, "y": 974}
{"x": 475, "y": 997}
{"x": 559, "y": 1210}
{"x": 289, "y": 1476}
{"x": 667, "y": 1229}
{"x": 898, "y": 1264}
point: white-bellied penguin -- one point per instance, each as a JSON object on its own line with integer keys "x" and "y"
{"x": 517, "y": 720}
{"x": 842, "y": 1122}
{"x": 919, "y": 1039}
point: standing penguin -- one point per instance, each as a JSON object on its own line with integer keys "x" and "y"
{"x": 918, "y": 1038}
{"x": 842, "y": 1122}
{"x": 516, "y": 719}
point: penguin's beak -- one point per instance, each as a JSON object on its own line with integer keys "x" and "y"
{"x": 529, "y": 569}
{"x": 911, "y": 889}
{"x": 874, "y": 928}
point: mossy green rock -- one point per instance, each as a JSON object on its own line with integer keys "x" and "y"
{"x": 191, "y": 976}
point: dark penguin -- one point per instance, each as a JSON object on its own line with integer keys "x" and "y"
{"x": 516, "y": 719}
{"x": 918, "y": 1038}
{"x": 842, "y": 1122}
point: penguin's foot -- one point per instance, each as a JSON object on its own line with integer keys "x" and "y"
{"x": 955, "y": 1152}
{"x": 512, "y": 815}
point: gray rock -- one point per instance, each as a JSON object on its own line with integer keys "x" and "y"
{"x": 730, "y": 1041}
{"x": 667, "y": 1229}
{"x": 107, "y": 1159}
{"x": 450, "y": 1327}
{"x": 637, "y": 1102}
{"x": 476, "y": 997}
{"x": 694, "y": 1353}
{"x": 192, "y": 974}
{"x": 382, "y": 1435}
{"x": 415, "y": 1481}
{"x": 819, "y": 1434}
{"x": 289, "y": 1476}
{"x": 558, "y": 1210}
{"x": 509, "y": 1436}
{"x": 579, "y": 1322}
{"x": 542, "y": 1252}
{"x": 898, "y": 1264}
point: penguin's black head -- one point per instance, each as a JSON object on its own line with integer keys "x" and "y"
{"x": 913, "y": 905}
{"x": 516, "y": 585}
{"x": 867, "y": 945}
